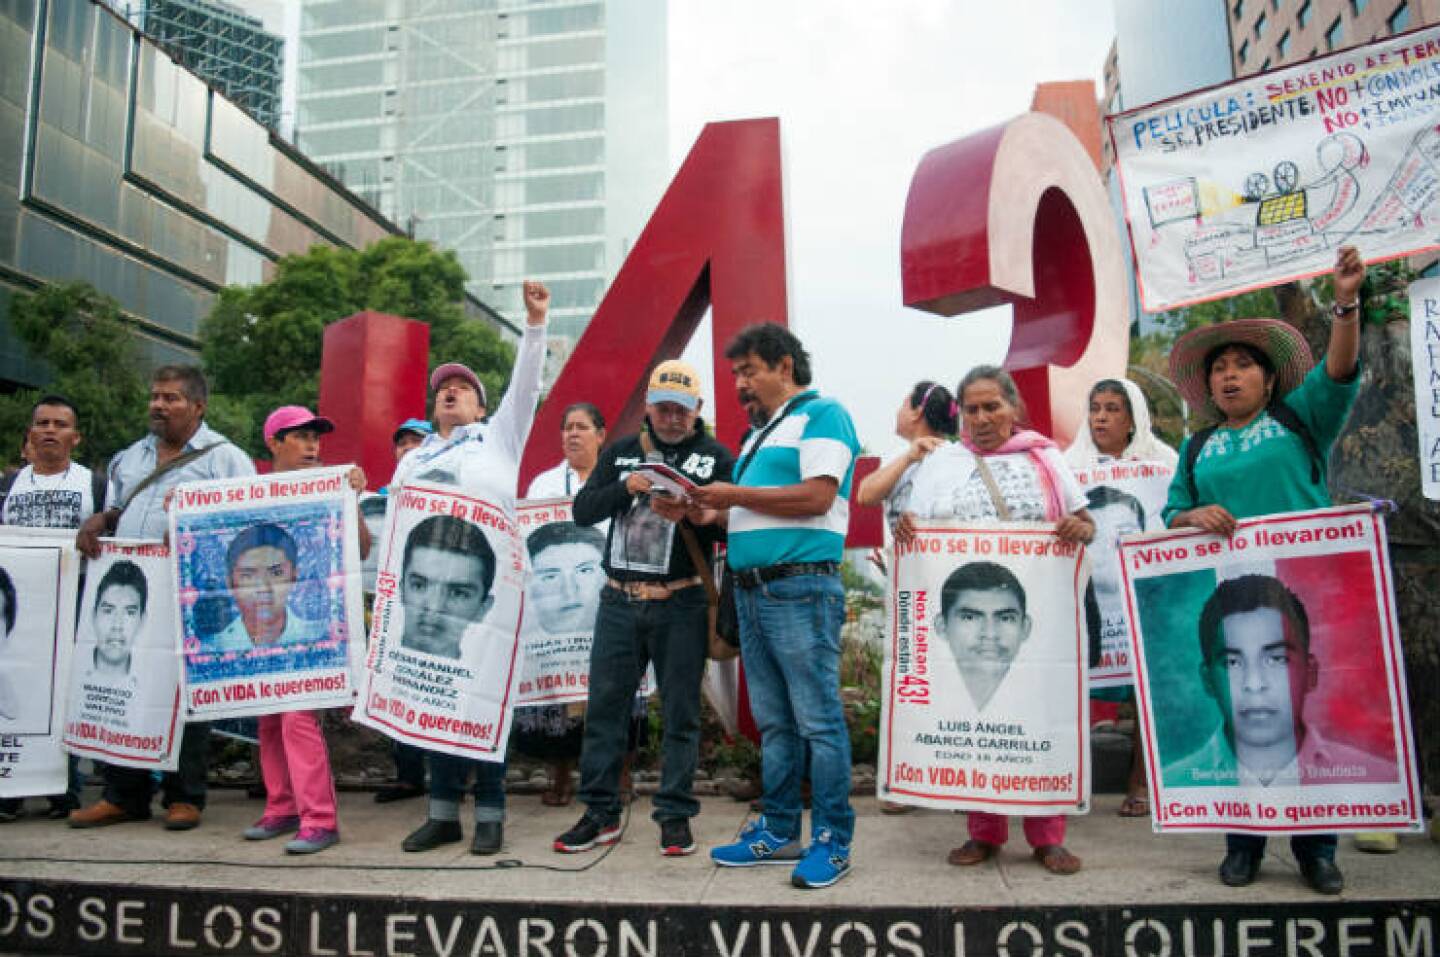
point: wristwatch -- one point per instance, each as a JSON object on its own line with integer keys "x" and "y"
{"x": 1339, "y": 311}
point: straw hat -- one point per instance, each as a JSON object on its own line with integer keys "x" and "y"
{"x": 1288, "y": 351}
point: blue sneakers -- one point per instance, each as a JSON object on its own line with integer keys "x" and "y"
{"x": 824, "y": 863}
{"x": 757, "y": 845}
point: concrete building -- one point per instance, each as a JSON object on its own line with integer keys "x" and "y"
{"x": 1272, "y": 33}
{"x": 529, "y": 138}
{"x": 131, "y": 173}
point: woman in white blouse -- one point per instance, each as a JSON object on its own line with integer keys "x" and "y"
{"x": 1118, "y": 429}
{"x": 925, "y": 419}
{"x": 1032, "y": 483}
{"x": 552, "y": 732}
{"x": 582, "y": 435}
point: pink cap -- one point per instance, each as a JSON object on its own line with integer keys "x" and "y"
{"x": 451, "y": 370}
{"x": 289, "y": 417}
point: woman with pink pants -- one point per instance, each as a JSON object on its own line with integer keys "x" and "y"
{"x": 294, "y": 762}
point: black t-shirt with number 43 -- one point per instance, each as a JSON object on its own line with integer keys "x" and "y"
{"x": 641, "y": 545}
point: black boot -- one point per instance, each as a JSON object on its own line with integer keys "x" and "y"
{"x": 1239, "y": 868}
{"x": 431, "y": 835}
{"x": 489, "y": 835}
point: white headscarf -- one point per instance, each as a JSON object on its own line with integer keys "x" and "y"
{"x": 1143, "y": 447}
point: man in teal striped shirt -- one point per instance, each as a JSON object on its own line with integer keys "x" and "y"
{"x": 788, "y": 512}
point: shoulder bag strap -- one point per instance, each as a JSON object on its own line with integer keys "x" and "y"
{"x": 166, "y": 469}
{"x": 996, "y": 498}
{"x": 99, "y": 485}
{"x": 765, "y": 434}
{"x": 687, "y": 535}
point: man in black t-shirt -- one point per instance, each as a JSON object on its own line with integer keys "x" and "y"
{"x": 653, "y": 608}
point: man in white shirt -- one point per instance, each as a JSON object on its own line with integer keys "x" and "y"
{"x": 482, "y": 458}
{"x": 53, "y": 490}
{"x": 262, "y": 568}
{"x": 180, "y": 448}
{"x": 983, "y": 616}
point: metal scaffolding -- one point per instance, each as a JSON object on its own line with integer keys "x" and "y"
{"x": 222, "y": 44}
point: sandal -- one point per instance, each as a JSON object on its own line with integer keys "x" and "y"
{"x": 972, "y": 852}
{"x": 1055, "y": 859}
{"x": 1134, "y": 805}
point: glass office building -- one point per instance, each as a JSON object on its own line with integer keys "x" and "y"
{"x": 224, "y": 45}
{"x": 529, "y": 137}
{"x": 125, "y": 170}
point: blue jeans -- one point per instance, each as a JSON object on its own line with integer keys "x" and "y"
{"x": 629, "y": 634}
{"x": 1303, "y": 846}
{"x": 409, "y": 764}
{"x": 790, "y": 644}
{"x": 448, "y": 775}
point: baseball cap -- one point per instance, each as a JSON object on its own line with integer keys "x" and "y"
{"x": 420, "y": 427}
{"x": 290, "y": 417}
{"x": 674, "y": 381}
{"x": 452, "y": 369}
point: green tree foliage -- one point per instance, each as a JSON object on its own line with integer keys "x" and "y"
{"x": 89, "y": 347}
{"x": 262, "y": 344}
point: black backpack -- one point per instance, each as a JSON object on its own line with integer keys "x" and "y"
{"x": 1281, "y": 413}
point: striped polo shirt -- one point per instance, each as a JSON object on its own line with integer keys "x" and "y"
{"x": 817, "y": 439}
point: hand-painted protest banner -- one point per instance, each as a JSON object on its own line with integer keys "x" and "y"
{"x": 124, "y": 694}
{"x": 444, "y": 655}
{"x": 1271, "y": 685}
{"x": 1123, "y": 498}
{"x": 1258, "y": 181}
{"x": 562, "y": 598}
{"x": 984, "y": 703}
{"x": 39, "y": 571}
{"x": 268, "y": 574}
{"x": 1425, "y": 357}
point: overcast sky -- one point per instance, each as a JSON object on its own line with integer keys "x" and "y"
{"x": 863, "y": 90}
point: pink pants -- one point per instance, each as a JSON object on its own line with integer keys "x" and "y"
{"x": 296, "y": 768}
{"x": 1039, "y": 831}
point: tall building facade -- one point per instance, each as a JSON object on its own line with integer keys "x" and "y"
{"x": 224, "y": 45}
{"x": 1161, "y": 50}
{"x": 129, "y": 172}
{"x": 1271, "y": 33}
{"x": 530, "y": 138}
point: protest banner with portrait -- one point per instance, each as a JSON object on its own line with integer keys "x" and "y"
{"x": 1123, "y": 498}
{"x": 983, "y": 691}
{"x": 1270, "y": 680}
{"x": 1424, "y": 296}
{"x": 1256, "y": 182}
{"x": 562, "y": 598}
{"x": 124, "y": 695}
{"x": 444, "y": 658}
{"x": 39, "y": 572}
{"x": 268, "y": 574}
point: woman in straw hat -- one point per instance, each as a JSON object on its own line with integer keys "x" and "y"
{"x": 1278, "y": 416}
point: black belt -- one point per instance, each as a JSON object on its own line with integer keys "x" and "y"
{"x": 755, "y": 577}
